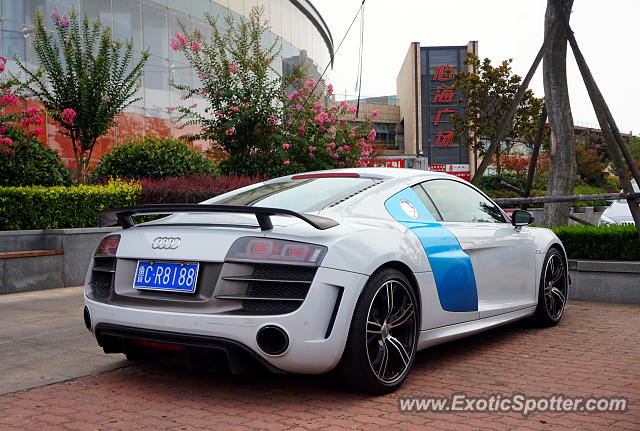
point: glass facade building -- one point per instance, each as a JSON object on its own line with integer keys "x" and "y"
{"x": 303, "y": 36}
{"x": 150, "y": 23}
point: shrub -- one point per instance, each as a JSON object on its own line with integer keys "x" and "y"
{"x": 24, "y": 161}
{"x": 600, "y": 242}
{"x": 190, "y": 189}
{"x": 32, "y": 164}
{"x": 590, "y": 166}
{"x": 38, "y": 207}
{"x": 153, "y": 157}
{"x": 588, "y": 190}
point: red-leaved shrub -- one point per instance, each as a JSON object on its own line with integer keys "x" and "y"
{"x": 190, "y": 189}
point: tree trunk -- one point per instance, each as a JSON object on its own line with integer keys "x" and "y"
{"x": 534, "y": 154}
{"x": 610, "y": 131}
{"x": 562, "y": 174}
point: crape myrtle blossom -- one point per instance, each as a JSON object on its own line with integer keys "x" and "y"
{"x": 26, "y": 120}
{"x": 292, "y": 130}
{"x": 334, "y": 141}
{"x": 62, "y": 20}
{"x": 179, "y": 41}
{"x": 68, "y": 115}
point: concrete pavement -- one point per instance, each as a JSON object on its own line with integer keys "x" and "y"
{"x": 43, "y": 340}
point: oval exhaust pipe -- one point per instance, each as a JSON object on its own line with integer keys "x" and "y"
{"x": 272, "y": 340}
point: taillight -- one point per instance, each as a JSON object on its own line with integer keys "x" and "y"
{"x": 276, "y": 251}
{"x": 108, "y": 246}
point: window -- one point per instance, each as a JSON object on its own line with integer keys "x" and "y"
{"x": 154, "y": 29}
{"x": 458, "y": 202}
{"x": 297, "y": 195}
{"x": 426, "y": 200}
{"x": 13, "y": 41}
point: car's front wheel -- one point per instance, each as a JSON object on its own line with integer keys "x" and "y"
{"x": 383, "y": 336}
{"x": 554, "y": 288}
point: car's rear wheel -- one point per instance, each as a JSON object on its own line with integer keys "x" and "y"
{"x": 383, "y": 336}
{"x": 554, "y": 288}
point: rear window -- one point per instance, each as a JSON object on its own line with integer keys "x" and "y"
{"x": 300, "y": 195}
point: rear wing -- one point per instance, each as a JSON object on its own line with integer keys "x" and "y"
{"x": 123, "y": 215}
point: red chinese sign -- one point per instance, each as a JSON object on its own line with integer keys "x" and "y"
{"x": 460, "y": 171}
{"x": 444, "y": 72}
{"x": 386, "y": 163}
{"x": 444, "y": 139}
{"x": 440, "y": 111}
{"x": 444, "y": 95}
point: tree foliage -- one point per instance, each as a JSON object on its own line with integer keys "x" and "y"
{"x": 488, "y": 94}
{"x": 24, "y": 160}
{"x": 85, "y": 79}
{"x": 590, "y": 166}
{"x": 240, "y": 89}
{"x": 256, "y": 119}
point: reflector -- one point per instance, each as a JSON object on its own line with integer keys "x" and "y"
{"x": 108, "y": 246}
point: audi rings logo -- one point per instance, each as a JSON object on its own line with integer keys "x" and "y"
{"x": 166, "y": 243}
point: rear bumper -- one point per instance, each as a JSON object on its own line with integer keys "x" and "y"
{"x": 317, "y": 331}
{"x": 123, "y": 339}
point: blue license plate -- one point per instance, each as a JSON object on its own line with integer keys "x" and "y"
{"x": 169, "y": 276}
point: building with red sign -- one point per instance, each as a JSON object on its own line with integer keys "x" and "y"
{"x": 416, "y": 124}
{"x": 426, "y": 101}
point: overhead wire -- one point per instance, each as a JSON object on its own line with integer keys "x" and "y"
{"x": 361, "y": 50}
{"x": 306, "y": 100}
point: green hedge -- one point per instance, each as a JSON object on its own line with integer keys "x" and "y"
{"x": 154, "y": 157}
{"x": 601, "y": 242}
{"x": 40, "y": 207}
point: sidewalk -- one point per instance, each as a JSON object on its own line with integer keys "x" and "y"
{"x": 43, "y": 340}
{"x": 594, "y": 351}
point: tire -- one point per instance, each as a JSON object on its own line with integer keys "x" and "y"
{"x": 382, "y": 340}
{"x": 553, "y": 290}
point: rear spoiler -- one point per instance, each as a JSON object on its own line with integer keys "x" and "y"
{"x": 123, "y": 215}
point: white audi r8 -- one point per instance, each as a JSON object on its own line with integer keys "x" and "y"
{"x": 354, "y": 268}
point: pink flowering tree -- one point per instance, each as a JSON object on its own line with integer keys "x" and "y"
{"x": 242, "y": 93}
{"x": 85, "y": 79}
{"x": 24, "y": 160}
{"x": 318, "y": 135}
{"x": 261, "y": 121}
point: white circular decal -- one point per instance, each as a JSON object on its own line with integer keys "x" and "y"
{"x": 409, "y": 209}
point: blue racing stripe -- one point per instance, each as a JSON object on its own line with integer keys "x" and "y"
{"x": 451, "y": 266}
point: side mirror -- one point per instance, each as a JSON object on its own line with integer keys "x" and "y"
{"x": 521, "y": 218}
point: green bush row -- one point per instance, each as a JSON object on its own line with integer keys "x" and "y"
{"x": 600, "y": 242}
{"x": 39, "y": 207}
{"x": 154, "y": 157}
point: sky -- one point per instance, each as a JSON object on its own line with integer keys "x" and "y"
{"x": 606, "y": 32}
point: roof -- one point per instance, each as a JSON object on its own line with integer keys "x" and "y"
{"x": 383, "y": 172}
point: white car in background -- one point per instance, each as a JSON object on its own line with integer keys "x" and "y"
{"x": 354, "y": 268}
{"x": 618, "y": 212}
